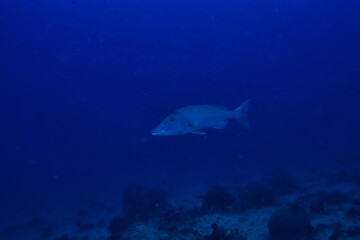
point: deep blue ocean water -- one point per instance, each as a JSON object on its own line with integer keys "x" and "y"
{"x": 83, "y": 83}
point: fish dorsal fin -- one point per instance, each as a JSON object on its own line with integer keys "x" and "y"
{"x": 221, "y": 125}
{"x": 198, "y": 132}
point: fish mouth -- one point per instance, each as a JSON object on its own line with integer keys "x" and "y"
{"x": 157, "y": 132}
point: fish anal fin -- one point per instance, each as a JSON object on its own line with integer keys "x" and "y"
{"x": 221, "y": 125}
{"x": 198, "y": 132}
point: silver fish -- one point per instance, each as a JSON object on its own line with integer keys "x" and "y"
{"x": 193, "y": 119}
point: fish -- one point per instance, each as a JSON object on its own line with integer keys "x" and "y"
{"x": 194, "y": 119}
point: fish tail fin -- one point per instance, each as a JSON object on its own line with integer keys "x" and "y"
{"x": 241, "y": 113}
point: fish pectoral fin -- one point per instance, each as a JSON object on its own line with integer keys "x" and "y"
{"x": 221, "y": 125}
{"x": 198, "y": 132}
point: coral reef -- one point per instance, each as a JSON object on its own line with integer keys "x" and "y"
{"x": 353, "y": 232}
{"x": 139, "y": 204}
{"x": 334, "y": 211}
{"x": 117, "y": 227}
{"x": 317, "y": 207}
{"x": 257, "y": 195}
{"x": 218, "y": 199}
{"x": 84, "y": 227}
{"x": 223, "y": 234}
{"x": 290, "y": 222}
{"x": 264, "y": 193}
{"x": 345, "y": 177}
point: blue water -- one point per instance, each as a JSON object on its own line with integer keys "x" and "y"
{"x": 83, "y": 83}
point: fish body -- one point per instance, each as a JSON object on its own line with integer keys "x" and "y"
{"x": 193, "y": 119}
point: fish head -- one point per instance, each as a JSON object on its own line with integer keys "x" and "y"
{"x": 174, "y": 124}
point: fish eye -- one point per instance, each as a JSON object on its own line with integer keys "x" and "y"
{"x": 172, "y": 118}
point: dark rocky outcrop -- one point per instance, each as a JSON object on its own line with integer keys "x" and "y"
{"x": 290, "y": 222}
